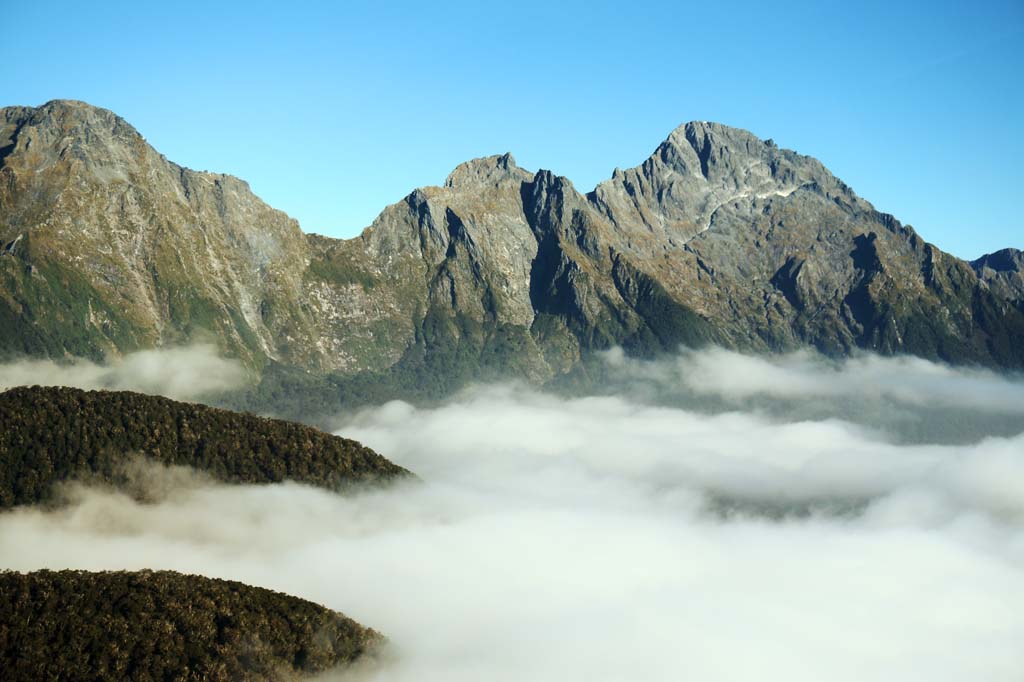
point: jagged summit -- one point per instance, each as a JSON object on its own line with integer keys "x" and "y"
{"x": 707, "y": 142}
{"x": 697, "y": 130}
{"x": 68, "y": 108}
{"x": 76, "y": 105}
{"x": 1004, "y": 260}
{"x": 485, "y": 169}
{"x": 698, "y": 171}
{"x": 71, "y": 121}
{"x": 1003, "y": 271}
{"x": 68, "y": 129}
{"x": 716, "y": 128}
{"x": 718, "y": 236}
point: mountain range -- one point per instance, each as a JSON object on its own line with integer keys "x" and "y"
{"x": 719, "y": 237}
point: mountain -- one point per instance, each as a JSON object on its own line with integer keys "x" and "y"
{"x": 54, "y": 434}
{"x": 717, "y": 238}
{"x": 162, "y": 625}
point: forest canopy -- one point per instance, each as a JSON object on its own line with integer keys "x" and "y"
{"x": 162, "y": 625}
{"x": 53, "y": 434}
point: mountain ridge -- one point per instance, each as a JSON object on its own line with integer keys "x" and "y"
{"x": 717, "y": 237}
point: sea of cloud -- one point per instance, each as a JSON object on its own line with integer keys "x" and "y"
{"x": 712, "y": 517}
{"x": 186, "y": 372}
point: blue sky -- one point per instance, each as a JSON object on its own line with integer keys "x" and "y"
{"x": 333, "y": 110}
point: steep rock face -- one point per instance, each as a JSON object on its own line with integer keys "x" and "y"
{"x": 719, "y": 237}
{"x": 109, "y": 247}
{"x": 776, "y": 253}
{"x": 1003, "y": 271}
{"x": 463, "y": 248}
{"x": 701, "y": 168}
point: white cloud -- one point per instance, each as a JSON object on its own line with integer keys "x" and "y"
{"x": 182, "y": 373}
{"x": 803, "y": 375}
{"x": 592, "y": 539}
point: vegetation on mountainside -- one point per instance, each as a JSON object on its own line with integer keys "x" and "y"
{"x": 449, "y": 353}
{"x": 46, "y": 310}
{"x": 53, "y": 434}
{"x": 161, "y": 625}
{"x": 338, "y": 268}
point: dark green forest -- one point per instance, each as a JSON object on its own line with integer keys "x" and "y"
{"x": 53, "y": 434}
{"x": 162, "y": 625}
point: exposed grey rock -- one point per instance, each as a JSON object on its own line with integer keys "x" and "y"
{"x": 1003, "y": 271}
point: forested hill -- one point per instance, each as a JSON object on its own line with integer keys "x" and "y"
{"x": 52, "y": 434}
{"x": 161, "y": 625}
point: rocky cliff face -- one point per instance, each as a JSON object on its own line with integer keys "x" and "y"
{"x": 1003, "y": 272}
{"x": 109, "y": 247}
{"x": 719, "y": 237}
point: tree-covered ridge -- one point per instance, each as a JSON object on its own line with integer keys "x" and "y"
{"x": 162, "y": 625}
{"x": 52, "y": 434}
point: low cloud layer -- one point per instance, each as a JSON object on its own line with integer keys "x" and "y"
{"x": 182, "y": 373}
{"x": 618, "y": 538}
{"x": 910, "y": 398}
{"x": 804, "y": 375}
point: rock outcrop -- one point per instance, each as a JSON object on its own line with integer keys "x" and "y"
{"x": 1003, "y": 272}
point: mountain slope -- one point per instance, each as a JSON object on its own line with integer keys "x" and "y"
{"x": 719, "y": 237}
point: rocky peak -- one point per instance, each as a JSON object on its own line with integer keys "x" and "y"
{"x": 546, "y": 183}
{"x": 1004, "y": 260}
{"x": 544, "y": 201}
{"x": 1003, "y": 272}
{"x": 713, "y": 144}
{"x": 731, "y": 157}
{"x": 68, "y": 130}
{"x": 701, "y": 168}
{"x": 69, "y": 114}
{"x": 486, "y": 170}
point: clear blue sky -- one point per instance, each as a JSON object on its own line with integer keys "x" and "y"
{"x": 331, "y": 110}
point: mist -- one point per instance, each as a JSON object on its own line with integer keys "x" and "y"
{"x": 912, "y": 399}
{"x": 702, "y": 520}
{"x": 805, "y": 375}
{"x": 183, "y": 373}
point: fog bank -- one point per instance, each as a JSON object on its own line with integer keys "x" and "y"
{"x": 910, "y": 398}
{"x": 805, "y": 375}
{"x": 621, "y": 536}
{"x": 182, "y": 373}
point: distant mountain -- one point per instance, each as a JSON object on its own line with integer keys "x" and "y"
{"x": 719, "y": 237}
{"x": 55, "y": 434}
{"x": 161, "y": 625}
